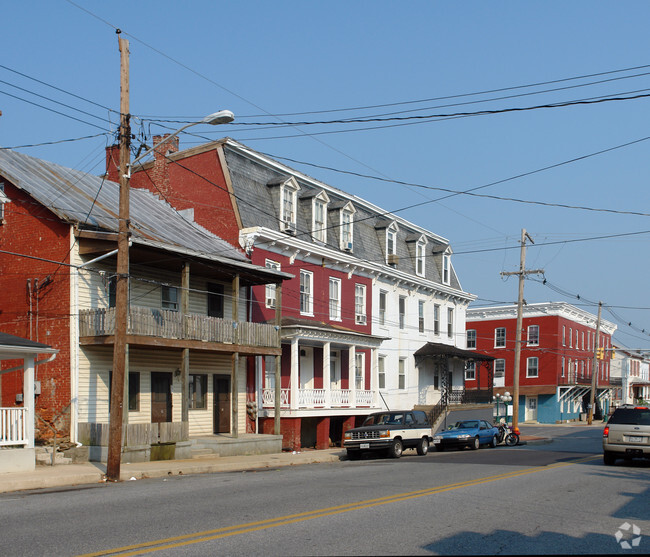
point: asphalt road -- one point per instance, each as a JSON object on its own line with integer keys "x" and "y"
{"x": 557, "y": 498}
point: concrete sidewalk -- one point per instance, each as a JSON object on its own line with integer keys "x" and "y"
{"x": 93, "y": 472}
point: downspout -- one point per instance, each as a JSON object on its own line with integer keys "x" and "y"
{"x": 74, "y": 411}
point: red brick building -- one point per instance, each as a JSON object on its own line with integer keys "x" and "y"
{"x": 557, "y": 352}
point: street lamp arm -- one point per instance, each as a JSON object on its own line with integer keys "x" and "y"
{"x": 221, "y": 117}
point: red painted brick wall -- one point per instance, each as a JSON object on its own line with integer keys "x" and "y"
{"x": 31, "y": 229}
{"x": 289, "y": 429}
{"x": 323, "y": 434}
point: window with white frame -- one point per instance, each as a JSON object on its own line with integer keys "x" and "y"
{"x": 269, "y": 372}
{"x": 289, "y": 197}
{"x": 499, "y": 367}
{"x": 391, "y": 241}
{"x": 360, "y": 304}
{"x": 420, "y": 260}
{"x": 570, "y": 337}
{"x": 470, "y": 371}
{"x": 421, "y": 316}
{"x": 335, "y": 299}
{"x": 401, "y": 375}
{"x": 383, "y": 296}
{"x": 306, "y": 293}
{"x": 359, "y": 370}
{"x": 402, "y": 312}
{"x": 450, "y": 322}
{"x": 170, "y": 298}
{"x": 381, "y": 365}
{"x": 198, "y": 391}
{"x": 563, "y": 335}
{"x": 562, "y": 368}
{"x": 270, "y": 289}
{"x": 436, "y": 319}
{"x": 319, "y": 217}
{"x": 347, "y": 214}
{"x": 533, "y": 335}
{"x": 446, "y": 268}
{"x": 471, "y": 339}
{"x": 500, "y": 337}
{"x": 532, "y": 367}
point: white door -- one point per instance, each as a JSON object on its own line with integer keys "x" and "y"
{"x": 307, "y": 368}
{"x": 531, "y": 408}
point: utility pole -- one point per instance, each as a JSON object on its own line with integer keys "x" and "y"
{"x": 594, "y": 368}
{"x": 122, "y": 283}
{"x": 520, "y": 310}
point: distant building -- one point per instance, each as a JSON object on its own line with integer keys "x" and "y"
{"x": 629, "y": 373}
{"x": 556, "y": 358}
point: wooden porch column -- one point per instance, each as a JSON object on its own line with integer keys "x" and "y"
{"x": 327, "y": 379}
{"x": 278, "y": 359}
{"x": 185, "y": 358}
{"x": 234, "y": 387}
{"x": 28, "y": 400}
{"x": 295, "y": 380}
{"x": 352, "y": 375}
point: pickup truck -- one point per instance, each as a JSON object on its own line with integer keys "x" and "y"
{"x": 391, "y": 431}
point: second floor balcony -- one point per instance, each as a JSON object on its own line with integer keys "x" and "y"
{"x": 173, "y": 325}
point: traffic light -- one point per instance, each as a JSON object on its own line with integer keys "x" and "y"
{"x": 613, "y": 354}
{"x": 600, "y": 353}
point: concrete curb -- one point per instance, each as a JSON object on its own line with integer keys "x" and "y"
{"x": 45, "y": 477}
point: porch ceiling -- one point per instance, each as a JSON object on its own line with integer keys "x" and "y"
{"x": 432, "y": 349}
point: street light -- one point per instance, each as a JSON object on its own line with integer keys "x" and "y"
{"x": 214, "y": 119}
{"x": 121, "y": 298}
{"x": 505, "y": 398}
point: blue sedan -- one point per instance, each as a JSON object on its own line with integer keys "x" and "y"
{"x": 467, "y": 433}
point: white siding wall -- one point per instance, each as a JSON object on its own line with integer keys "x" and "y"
{"x": 402, "y": 343}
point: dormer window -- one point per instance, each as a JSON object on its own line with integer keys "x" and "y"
{"x": 3, "y": 199}
{"x": 347, "y": 213}
{"x": 420, "y": 259}
{"x": 446, "y": 268}
{"x": 391, "y": 244}
{"x": 288, "y": 205}
{"x": 319, "y": 217}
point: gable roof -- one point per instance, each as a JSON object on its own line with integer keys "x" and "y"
{"x": 91, "y": 203}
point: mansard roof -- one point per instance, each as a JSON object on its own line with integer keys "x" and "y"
{"x": 249, "y": 171}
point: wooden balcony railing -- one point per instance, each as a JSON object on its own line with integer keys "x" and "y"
{"x": 174, "y": 325}
{"x": 316, "y": 398}
{"x": 13, "y": 426}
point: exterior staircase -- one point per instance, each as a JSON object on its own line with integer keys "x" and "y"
{"x": 43, "y": 457}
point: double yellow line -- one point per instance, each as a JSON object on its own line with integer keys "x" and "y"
{"x": 207, "y": 535}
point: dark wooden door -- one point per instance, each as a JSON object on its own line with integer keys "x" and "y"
{"x": 222, "y": 408}
{"x": 215, "y": 300}
{"x": 161, "y": 397}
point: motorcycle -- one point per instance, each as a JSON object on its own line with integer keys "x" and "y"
{"x": 508, "y": 435}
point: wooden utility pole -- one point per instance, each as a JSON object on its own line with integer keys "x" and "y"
{"x": 520, "y": 310}
{"x": 122, "y": 286}
{"x": 594, "y": 368}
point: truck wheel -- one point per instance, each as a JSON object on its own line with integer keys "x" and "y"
{"x": 423, "y": 446}
{"x": 353, "y": 454}
{"x": 476, "y": 444}
{"x": 396, "y": 448}
{"x": 609, "y": 458}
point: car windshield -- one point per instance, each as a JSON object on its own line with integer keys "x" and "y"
{"x": 466, "y": 425}
{"x": 386, "y": 418}
{"x": 631, "y": 416}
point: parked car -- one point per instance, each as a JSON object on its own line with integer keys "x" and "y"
{"x": 390, "y": 431}
{"x": 627, "y": 434}
{"x": 467, "y": 433}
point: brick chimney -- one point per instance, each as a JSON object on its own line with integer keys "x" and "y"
{"x": 160, "y": 172}
{"x": 113, "y": 163}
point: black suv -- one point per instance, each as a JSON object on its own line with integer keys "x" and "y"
{"x": 627, "y": 434}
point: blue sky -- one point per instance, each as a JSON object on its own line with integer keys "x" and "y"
{"x": 307, "y": 61}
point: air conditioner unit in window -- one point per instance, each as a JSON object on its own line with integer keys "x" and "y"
{"x": 393, "y": 259}
{"x": 270, "y": 302}
{"x": 290, "y": 227}
{"x": 360, "y": 319}
{"x": 347, "y": 246}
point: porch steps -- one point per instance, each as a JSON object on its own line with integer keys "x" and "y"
{"x": 43, "y": 456}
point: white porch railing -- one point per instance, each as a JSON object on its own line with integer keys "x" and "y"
{"x": 13, "y": 426}
{"x": 315, "y": 398}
